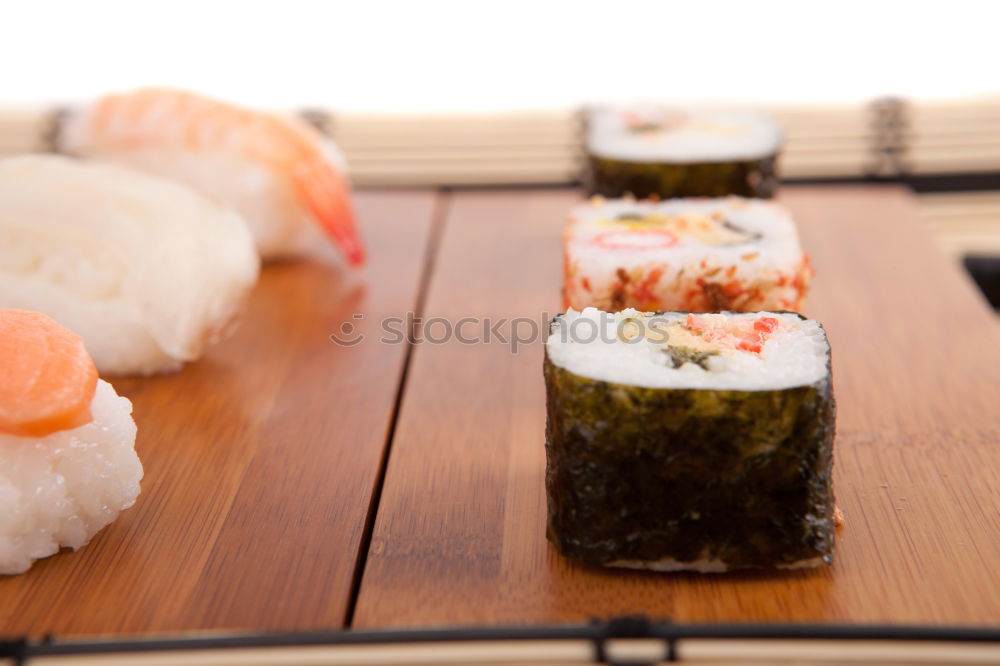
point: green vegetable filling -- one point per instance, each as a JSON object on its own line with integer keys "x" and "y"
{"x": 679, "y": 355}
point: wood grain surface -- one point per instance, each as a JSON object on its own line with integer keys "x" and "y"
{"x": 260, "y": 461}
{"x": 459, "y": 534}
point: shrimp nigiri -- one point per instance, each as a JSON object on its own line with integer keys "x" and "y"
{"x": 67, "y": 459}
{"x": 280, "y": 173}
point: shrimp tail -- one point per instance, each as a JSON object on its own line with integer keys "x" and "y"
{"x": 326, "y": 194}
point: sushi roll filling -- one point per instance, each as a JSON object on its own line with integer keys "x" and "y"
{"x": 698, "y": 338}
{"x": 724, "y": 350}
{"x": 692, "y": 255}
{"x": 693, "y": 228}
{"x": 642, "y": 239}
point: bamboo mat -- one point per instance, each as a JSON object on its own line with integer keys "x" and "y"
{"x": 882, "y": 138}
{"x": 963, "y": 223}
{"x": 625, "y": 641}
{"x": 545, "y": 147}
{"x": 555, "y": 653}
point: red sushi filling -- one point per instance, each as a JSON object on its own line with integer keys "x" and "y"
{"x": 646, "y": 239}
{"x": 742, "y": 334}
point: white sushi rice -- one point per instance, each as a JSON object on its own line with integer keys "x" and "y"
{"x": 148, "y": 272}
{"x": 60, "y": 490}
{"x": 688, "y": 135}
{"x": 588, "y": 344}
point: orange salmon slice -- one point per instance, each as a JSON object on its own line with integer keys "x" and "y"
{"x": 47, "y": 378}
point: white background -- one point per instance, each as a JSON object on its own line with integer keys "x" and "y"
{"x": 502, "y": 54}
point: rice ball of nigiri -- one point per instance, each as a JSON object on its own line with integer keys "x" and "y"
{"x": 67, "y": 460}
{"x": 148, "y": 271}
{"x": 279, "y": 172}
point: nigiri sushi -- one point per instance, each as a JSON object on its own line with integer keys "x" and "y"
{"x": 280, "y": 173}
{"x": 147, "y": 271}
{"x": 67, "y": 459}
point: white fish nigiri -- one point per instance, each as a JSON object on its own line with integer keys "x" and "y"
{"x": 147, "y": 271}
{"x": 67, "y": 459}
{"x": 279, "y": 172}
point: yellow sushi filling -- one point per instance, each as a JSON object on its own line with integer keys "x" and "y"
{"x": 682, "y": 336}
{"x": 677, "y": 341}
{"x": 672, "y": 332}
{"x": 703, "y": 229}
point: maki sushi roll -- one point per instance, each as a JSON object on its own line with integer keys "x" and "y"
{"x": 701, "y": 255}
{"x": 671, "y": 152}
{"x": 681, "y": 441}
{"x": 67, "y": 460}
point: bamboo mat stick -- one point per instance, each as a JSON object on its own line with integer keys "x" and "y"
{"x": 560, "y": 653}
{"x": 839, "y": 651}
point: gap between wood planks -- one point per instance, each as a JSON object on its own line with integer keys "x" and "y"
{"x": 439, "y": 215}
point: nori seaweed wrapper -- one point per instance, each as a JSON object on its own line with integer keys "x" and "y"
{"x": 741, "y": 478}
{"x": 615, "y": 178}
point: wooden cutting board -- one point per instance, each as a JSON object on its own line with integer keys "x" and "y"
{"x": 459, "y": 536}
{"x": 260, "y": 461}
{"x": 264, "y": 461}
